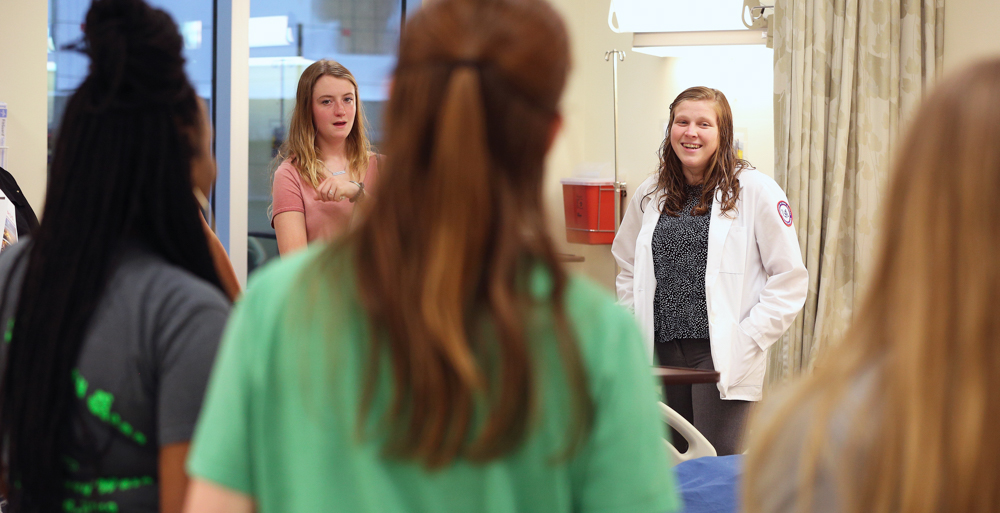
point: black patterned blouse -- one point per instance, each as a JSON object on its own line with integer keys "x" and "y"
{"x": 680, "y": 255}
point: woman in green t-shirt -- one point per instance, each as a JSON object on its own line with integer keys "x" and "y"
{"x": 440, "y": 358}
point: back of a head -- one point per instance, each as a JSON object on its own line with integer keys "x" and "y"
{"x": 458, "y": 223}
{"x": 122, "y": 158}
{"x": 927, "y": 326}
{"x": 121, "y": 171}
{"x": 507, "y": 61}
{"x": 473, "y": 108}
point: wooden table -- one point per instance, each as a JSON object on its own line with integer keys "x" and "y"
{"x": 684, "y": 376}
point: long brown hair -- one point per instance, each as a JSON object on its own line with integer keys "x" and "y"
{"x": 927, "y": 329}
{"x": 300, "y": 145}
{"x": 722, "y": 172}
{"x": 445, "y": 259}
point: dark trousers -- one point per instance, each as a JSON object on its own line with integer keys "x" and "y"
{"x": 722, "y": 422}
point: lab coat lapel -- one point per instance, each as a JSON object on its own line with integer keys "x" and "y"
{"x": 645, "y": 272}
{"x": 718, "y": 230}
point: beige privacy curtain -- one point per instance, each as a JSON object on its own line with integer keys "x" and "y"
{"x": 847, "y": 75}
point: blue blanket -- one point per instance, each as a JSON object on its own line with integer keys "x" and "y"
{"x": 710, "y": 484}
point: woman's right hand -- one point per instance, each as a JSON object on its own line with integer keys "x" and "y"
{"x": 336, "y": 188}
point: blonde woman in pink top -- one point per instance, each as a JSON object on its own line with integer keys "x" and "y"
{"x": 326, "y": 167}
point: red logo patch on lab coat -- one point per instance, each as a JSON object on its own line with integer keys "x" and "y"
{"x": 785, "y": 212}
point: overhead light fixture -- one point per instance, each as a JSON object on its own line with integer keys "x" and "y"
{"x": 662, "y": 27}
{"x": 191, "y": 31}
{"x": 269, "y": 31}
{"x": 291, "y": 60}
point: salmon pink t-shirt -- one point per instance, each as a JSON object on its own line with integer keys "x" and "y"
{"x": 324, "y": 219}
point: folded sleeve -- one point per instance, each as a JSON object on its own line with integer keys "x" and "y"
{"x": 286, "y": 191}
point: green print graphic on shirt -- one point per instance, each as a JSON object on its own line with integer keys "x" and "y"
{"x": 106, "y": 485}
{"x": 9, "y": 334}
{"x": 72, "y": 506}
{"x": 99, "y": 404}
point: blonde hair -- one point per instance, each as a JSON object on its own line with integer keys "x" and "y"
{"x": 928, "y": 328}
{"x": 300, "y": 146}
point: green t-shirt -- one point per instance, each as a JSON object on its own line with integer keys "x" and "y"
{"x": 280, "y": 417}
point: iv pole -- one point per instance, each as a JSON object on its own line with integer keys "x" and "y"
{"x": 616, "y": 56}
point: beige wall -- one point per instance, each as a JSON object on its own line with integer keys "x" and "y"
{"x": 23, "y": 87}
{"x": 646, "y": 87}
{"x": 647, "y": 84}
{"x": 588, "y": 131}
{"x": 970, "y": 31}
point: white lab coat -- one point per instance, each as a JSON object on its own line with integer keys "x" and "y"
{"x": 755, "y": 281}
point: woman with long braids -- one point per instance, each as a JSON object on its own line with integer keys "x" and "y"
{"x": 113, "y": 311}
{"x": 439, "y": 358}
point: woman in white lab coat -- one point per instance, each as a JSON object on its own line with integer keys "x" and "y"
{"x": 711, "y": 266}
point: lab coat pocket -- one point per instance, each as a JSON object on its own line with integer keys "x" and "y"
{"x": 747, "y": 360}
{"x": 734, "y": 251}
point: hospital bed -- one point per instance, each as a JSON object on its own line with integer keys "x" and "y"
{"x": 708, "y": 483}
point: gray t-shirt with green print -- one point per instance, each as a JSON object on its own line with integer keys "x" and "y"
{"x": 140, "y": 378}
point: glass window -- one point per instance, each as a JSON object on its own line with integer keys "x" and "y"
{"x": 67, "y": 68}
{"x": 286, "y": 36}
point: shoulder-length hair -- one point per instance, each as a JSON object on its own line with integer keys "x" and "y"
{"x": 927, "y": 328}
{"x": 300, "y": 146}
{"x": 722, "y": 171}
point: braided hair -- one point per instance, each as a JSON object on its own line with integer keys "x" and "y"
{"x": 121, "y": 173}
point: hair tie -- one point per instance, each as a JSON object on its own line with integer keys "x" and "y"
{"x": 480, "y": 66}
{"x": 467, "y": 63}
